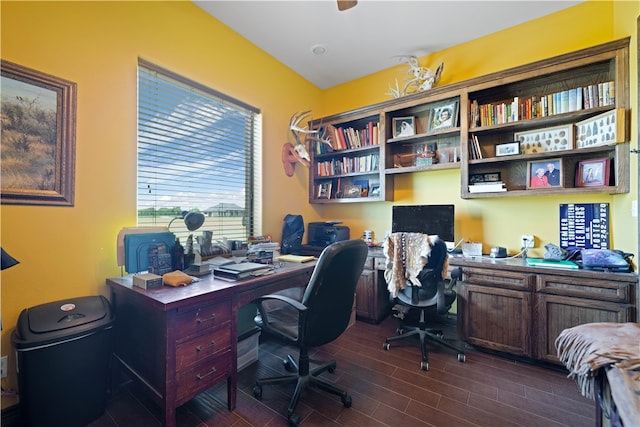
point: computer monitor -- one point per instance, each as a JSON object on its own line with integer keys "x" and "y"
{"x": 428, "y": 219}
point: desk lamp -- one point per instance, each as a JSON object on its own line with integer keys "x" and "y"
{"x": 7, "y": 260}
{"x": 193, "y": 220}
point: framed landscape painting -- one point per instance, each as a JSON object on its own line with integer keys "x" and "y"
{"x": 38, "y": 137}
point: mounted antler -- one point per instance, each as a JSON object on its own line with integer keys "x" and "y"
{"x": 292, "y": 154}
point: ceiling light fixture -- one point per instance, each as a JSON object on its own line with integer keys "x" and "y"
{"x": 318, "y": 49}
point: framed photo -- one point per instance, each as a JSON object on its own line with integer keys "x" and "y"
{"x": 351, "y": 191}
{"x": 508, "y": 149}
{"x": 404, "y": 126}
{"x": 545, "y": 140}
{"x": 38, "y": 151}
{"x": 374, "y": 191}
{"x": 443, "y": 116}
{"x": 593, "y": 173}
{"x": 544, "y": 174}
{"x": 484, "y": 177}
{"x": 604, "y": 129}
{"x": 324, "y": 191}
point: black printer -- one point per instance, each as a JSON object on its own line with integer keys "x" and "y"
{"x": 322, "y": 234}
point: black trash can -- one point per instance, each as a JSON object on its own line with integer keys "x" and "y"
{"x": 63, "y": 356}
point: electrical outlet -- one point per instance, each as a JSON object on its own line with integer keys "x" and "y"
{"x": 4, "y": 362}
{"x": 527, "y": 241}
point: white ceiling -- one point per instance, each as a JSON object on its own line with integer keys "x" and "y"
{"x": 370, "y": 37}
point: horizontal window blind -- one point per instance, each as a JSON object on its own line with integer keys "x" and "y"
{"x": 198, "y": 150}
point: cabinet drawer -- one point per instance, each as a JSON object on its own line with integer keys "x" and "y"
{"x": 200, "y": 347}
{"x": 202, "y": 318}
{"x": 601, "y": 290}
{"x": 380, "y": 263}
{"x": 202, "y": 376}
{"x": 498, "y": 278}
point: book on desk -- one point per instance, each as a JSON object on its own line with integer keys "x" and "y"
{"x": 541, "y": 262}
{"x": 241, "y": 270}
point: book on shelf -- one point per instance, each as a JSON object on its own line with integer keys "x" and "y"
{"x": 487, "y": 187}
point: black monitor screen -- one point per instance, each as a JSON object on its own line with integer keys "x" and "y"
{"x": 428, "y": 219}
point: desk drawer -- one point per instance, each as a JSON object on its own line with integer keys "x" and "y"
{"x": 202, "y": 346}
{"x": 202, "y": 318}
{"x": 202, "y": 376}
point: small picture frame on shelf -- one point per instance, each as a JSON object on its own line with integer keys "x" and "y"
{"x": 544, "y": 174}
{"x": 604, "y": 129}
{"x": 404, "y": 126}
{"x": 557, "y": 138}
{"x": 324, "y": 191}
{"x": 443, "y": 116}
{"x": 374, "y": 190}
{"x": 484, "y": 177}
{"x": 508, "y": 149}
{"x": 351, "y": 191}
{"x": 593, "y": 173}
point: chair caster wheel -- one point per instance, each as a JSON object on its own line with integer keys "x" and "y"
{"x": 462, "y": 358}
{"x": 386, "y": 346}
{"x": 257, "y": 391}
{"x": 346, "y": 400}
{"x": 424, "y": 366}
{"x": 288, "y": 365}
{"x": 331, "y": 369}
{"x": 400, "y": 331}
{"x": 294, "y": 420}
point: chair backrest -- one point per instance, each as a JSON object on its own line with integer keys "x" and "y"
{"x": 330, "y": 292}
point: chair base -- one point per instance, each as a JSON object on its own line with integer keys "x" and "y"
{"x": 303, "y": 381}
{"x": 425, "y": 335}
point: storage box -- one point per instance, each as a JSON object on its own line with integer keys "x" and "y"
{"x": 472, "y": 249}
{"x": 248, "y": 346}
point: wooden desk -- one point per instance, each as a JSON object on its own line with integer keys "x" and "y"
{"x": 178, "y": 342}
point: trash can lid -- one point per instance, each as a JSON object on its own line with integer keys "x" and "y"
{"x": 62, "y": 319}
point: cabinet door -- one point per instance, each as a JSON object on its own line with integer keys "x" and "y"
{"x": 495, "y": 318}
{"x": 365, "y": 295}
{"x": 556, "y": 313}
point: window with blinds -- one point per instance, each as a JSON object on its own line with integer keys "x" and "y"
{"x": 198, "y": 150}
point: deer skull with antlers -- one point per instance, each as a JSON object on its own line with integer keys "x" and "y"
{"x": 291, "y": 154}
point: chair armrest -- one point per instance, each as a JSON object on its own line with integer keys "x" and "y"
{"x": 295, "y": 304}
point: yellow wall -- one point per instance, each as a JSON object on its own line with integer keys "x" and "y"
{"x": 69, "y": 251}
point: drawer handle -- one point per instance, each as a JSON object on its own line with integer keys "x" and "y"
{"x": 211, "y": 344}
{"x": 202, "y": 376}
{"x": 212, "y": 317}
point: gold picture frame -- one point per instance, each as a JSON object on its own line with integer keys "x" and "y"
{"x": 38, "y": 137}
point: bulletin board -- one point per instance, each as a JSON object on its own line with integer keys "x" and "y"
{"x": 584, "y": 225}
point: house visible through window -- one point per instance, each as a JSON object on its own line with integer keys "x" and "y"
{"x": 198, "y": 150}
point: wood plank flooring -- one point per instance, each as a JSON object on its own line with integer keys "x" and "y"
{"x": 388, "y": 389}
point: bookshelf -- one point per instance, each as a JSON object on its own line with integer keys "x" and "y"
{"x": 571, "y": 111}
{"x": 546, "y": 109}
{"x": 431, "y": 143}
{"x": 351, "y": 168}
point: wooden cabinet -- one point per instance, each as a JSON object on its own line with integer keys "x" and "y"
{"x": 494, "y": 310}
{"x": 372, "y": 296}
{"x": 505, "y": 125}
{"x": 564, "y": 110}
{"x": 507, "y": 306}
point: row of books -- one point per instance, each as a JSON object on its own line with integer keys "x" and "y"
{"x": 591, "y": 96}
{"x": 475, "y": 152}
{"x": 348, "y": 138}
{"x": 368, "y": 163}
{"x": 487, "y": 187}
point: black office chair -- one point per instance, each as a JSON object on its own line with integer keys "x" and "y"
{"x": 320, "y": 316}
{"x": 431, "y": 297}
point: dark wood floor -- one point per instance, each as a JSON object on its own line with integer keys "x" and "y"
{"x": 388, "y": 389}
